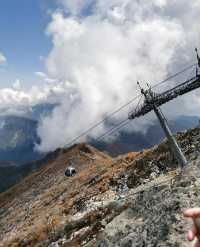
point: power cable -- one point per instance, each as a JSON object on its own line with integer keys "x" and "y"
{"x": 102, "y": 121}
{"x": 190, "y": 74}
{"x": 119, "y": 125}
{"x": 175, "y": 75}
{"x": 123, "y": 106}
{"x": 114, "y": 129}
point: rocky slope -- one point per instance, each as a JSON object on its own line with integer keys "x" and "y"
{"x": 18, "y": 136}
{"x": 11, "y": 174}
{"x": 132, "y": 200}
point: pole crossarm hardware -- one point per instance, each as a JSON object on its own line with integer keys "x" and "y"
{"x": 154, "y": 100}
{"x": 160, "y": 99}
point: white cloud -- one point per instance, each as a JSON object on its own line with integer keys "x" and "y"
{"x": 103, "y": 55}
{"x": 16, "y": 101}
{"x": 2, "y": 59}
{"x": 97, "y": 59}
{"x": 45, "y": 77}
{"x": 40, "y": 74}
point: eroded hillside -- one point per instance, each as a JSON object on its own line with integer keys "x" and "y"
{"x": 132, "y": 200}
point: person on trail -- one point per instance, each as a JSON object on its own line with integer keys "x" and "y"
{"x": 194, "y": 232}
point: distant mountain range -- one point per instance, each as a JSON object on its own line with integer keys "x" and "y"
{"x": 136, "y": 141}
{"x": 18, "y": 136}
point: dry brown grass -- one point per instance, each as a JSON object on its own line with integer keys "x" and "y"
{"x": 52, "y": 198}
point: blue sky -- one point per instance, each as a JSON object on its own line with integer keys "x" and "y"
{"x": 22, "y": 39}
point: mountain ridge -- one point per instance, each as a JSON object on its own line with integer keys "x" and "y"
{"x": 49, "y": 209}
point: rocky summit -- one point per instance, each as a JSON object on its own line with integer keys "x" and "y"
{"x": 133, "y": 200}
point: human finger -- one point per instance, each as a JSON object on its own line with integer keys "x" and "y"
{"x": 192, "y": 212}
{"x": 192, "y": 233}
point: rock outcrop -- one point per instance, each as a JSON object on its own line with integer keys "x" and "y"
{"x": 134, "y": 200}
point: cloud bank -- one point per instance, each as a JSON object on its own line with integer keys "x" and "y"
{"x": 99, "y": 51}
{"x": 16, "y": 101}
{"x": 103, "y": 53}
